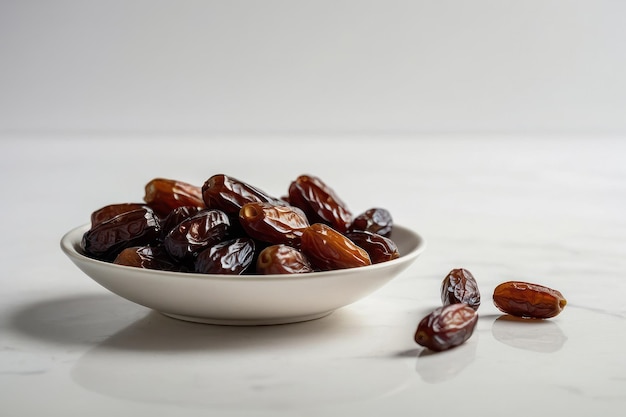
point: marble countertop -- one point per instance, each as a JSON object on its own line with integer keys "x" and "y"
{"x": 550, "y": 210}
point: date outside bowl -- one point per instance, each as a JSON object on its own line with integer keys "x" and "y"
{"x": 244, "y": 299}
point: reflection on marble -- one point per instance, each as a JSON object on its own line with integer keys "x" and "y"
{"x": 158, "y": 359}
{"x": 436, "y": 367}
{"x": 537, "y": 335}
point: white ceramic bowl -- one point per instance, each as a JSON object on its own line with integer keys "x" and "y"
{"x": 244, "y": 299}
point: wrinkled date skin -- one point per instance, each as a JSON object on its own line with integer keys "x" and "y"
{"x": 446, "y": 327}
{"x": 379, "y": 248}
{"x": 132, "y": 228}
{"x": 308, "y": 229}
{"x": 319, "y": 202}
{"x": 282, "y": 259}
{"x": 230, "y": 194}
{"x": 273, "y": 224}
{"x": 524, "y": 299}
{"x": 195, "y": 234}
{"x": 147, "y": 257}
{"x": 374, "y": 220}
{"x": 176, "y": 216}
{"x": 108, "y": 212}
{"x": 164, "y": 195}
{"x": 460, "y": 286}
{"x": 327, "y": 249}
{"x": 231, "y": 257}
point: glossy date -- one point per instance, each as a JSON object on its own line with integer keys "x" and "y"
{"x": 131, "y": 228}
{"x": 446, "y": 327}
{"x": 524, "y": 299}
{"x": 148, "y": 257}
{"x": 108, "y": 212}
{"x": 195, "y": 234}
{"x": 179, "y": 221}
{"x": 176, "y": 216}
{"x": 460, "y": 286}
{"x": 164, "y": 195}
{"x": 327, "y": 249}
{"x": 273, "y": 224}
{"x": 319, "y": 202}
{"x": 379, "y": 248}
{"x": 374, "y": 220}
{"x": 282, "y": 259}
{"x": 229, "y": 194}
{"x": 231, "y": 257}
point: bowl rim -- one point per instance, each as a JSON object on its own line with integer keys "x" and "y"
{"x": 71, "y": 241}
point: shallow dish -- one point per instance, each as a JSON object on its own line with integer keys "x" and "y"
{"x": 244, "y": 299}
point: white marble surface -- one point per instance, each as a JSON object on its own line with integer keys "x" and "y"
{"x": 548, "y": 210}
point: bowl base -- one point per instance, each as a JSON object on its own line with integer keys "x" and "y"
{"x": 249, "y": 322}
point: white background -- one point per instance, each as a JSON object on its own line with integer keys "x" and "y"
{"x": 537, "y": 66}
{"x": 501, "y": 98}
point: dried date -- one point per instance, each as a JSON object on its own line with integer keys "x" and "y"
{"x": 231, "y": 257}
{"x": 195, "y": 234}
{"x": 229, "y": 194}
{"x": 319, "y": 202}
{"x": 460, "y": 286}
{"x": 164, "y": 195}
{"x": 176, "y": 216}
{"x": 148, "y": 257}
{"x": 282, "y": 259}
{"x": 524, "y": 299}
{"x": 446, "y": 327}
{"x": 327, "y": 249}
{"x": 174, "y": 219}
{"x": 108, "y": 212}
{"x": 379, "y": 248}
{"x": 132, "y": 228}
{"x": 375, "y": 220}
{"x": 273, "y": 224}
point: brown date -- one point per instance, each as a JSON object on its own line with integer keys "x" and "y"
{"x": 176, "y": 216}
{"x": 375, "y": 220}
{"x": 164, "y": 195}
{"x": 230, "y": 194}
{"x": 108, "y": 212}
{"x": 232, "y": 257}
{"x": 524, "y": 299}
{"x": 460, "y": 286}
{"x": 379, "y": 248}
{"x": 198, "y": 232}
{"x": 132, "y": 228}
{"x": 282, "y": 259}
{"x": 273, "y": 224}
{"x": 446, "y": 327}
{"x": 327, "y": 249}
{"x": 148, "y": 257}
{"x": 319, "y": 202}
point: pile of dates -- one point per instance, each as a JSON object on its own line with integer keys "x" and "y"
{"x": 227, "y": 226}
{"x": 453, "y": 323}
